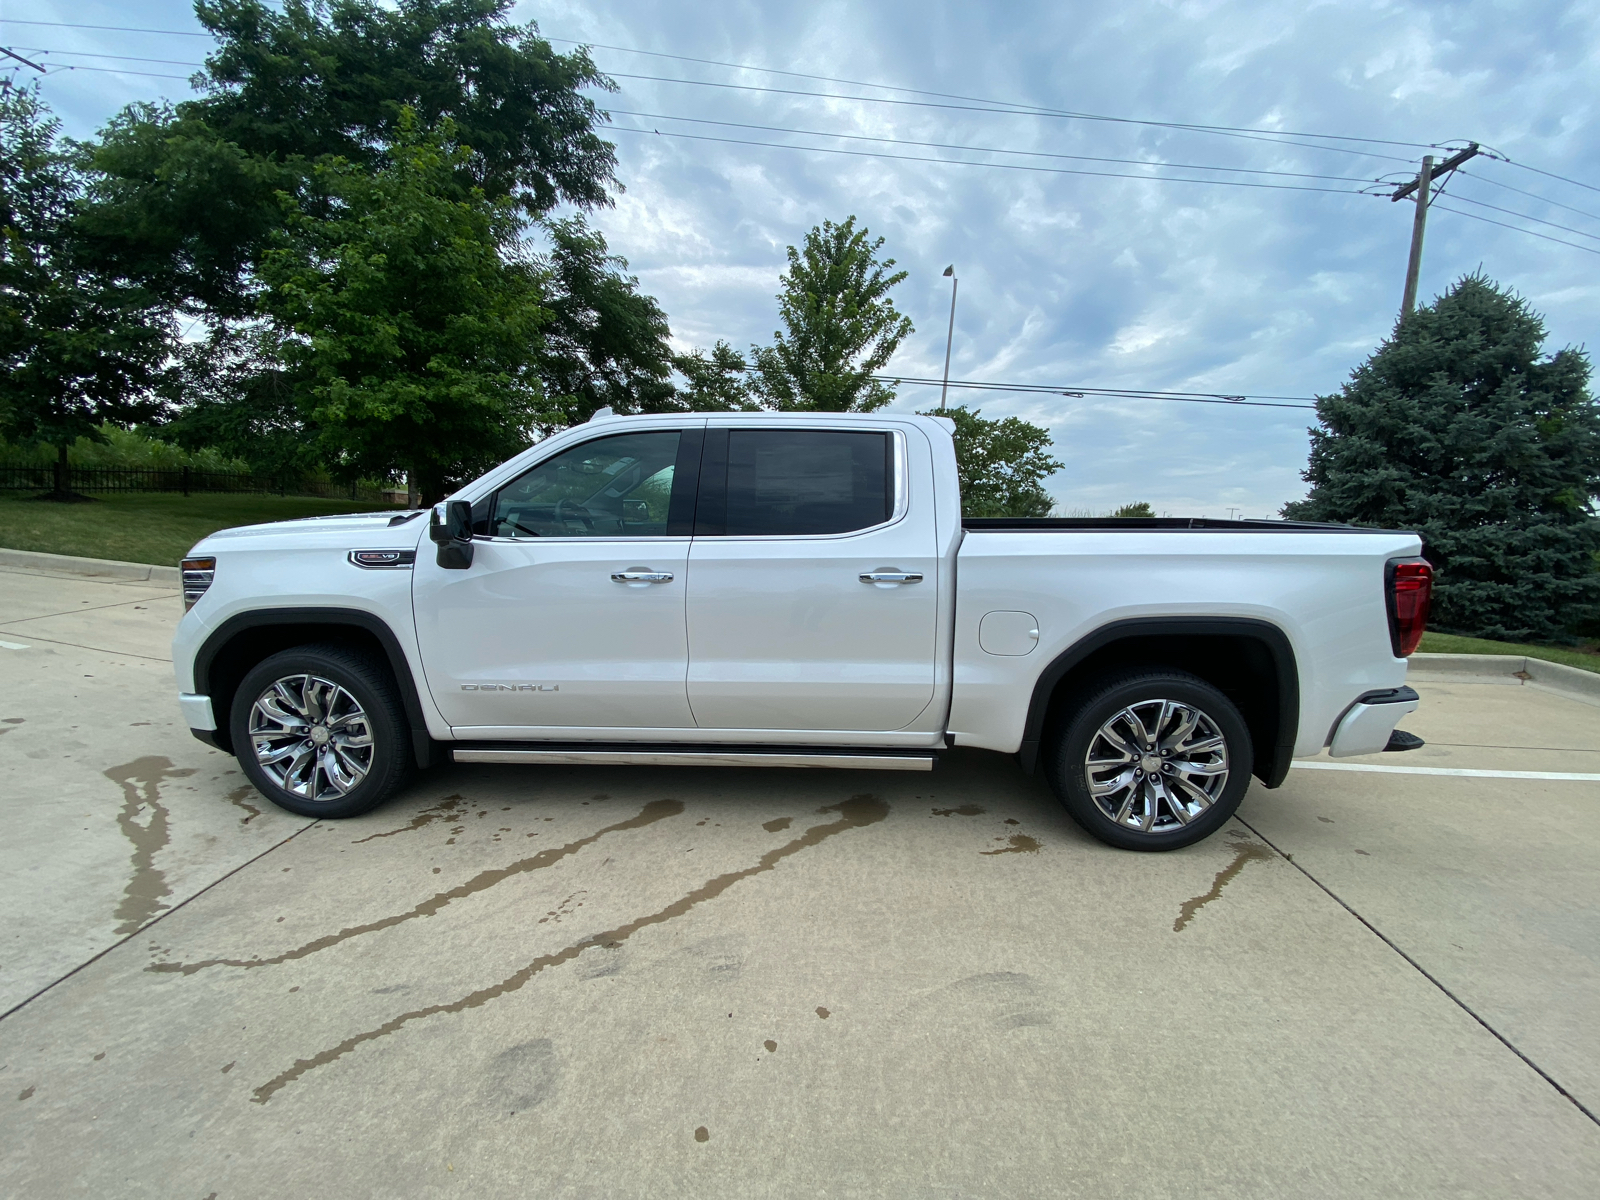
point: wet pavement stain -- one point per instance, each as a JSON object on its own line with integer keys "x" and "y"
{"x": 656, "y": 810}
{"x": 823, "y": 1013}
{"x": 1021, "y": 843}
{"x": 702, "y": 1134}
{"x": 141, "y": 782}
{"x": 966, "y": 810}
{"x": 10, "y": 723}
{"x": 237, "y": 798}
{"x": 445, "y": 808}
{"x": 772, "y": 1046}
{"x": 1247, "y": 852}
{"x": 777, "y": 824}
{"x": 855, "y": 813}
{"x": 26, "y": 1092}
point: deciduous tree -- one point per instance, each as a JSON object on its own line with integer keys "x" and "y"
{"x": 1002, "y": 464}
{"x": 408, "y": 321}
{"x": 840, "y": 325}
{"x": 77, "y": 348}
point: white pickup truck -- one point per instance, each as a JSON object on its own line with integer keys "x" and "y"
{"x": 794, "y": 590}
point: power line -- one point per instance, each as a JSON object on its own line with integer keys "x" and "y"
{"x": 1518, "y": 228}
{"x": 1524, "y": 216}
{"x": 1009, "y": 112}
{"x": 111, "y": 28}
{"x": 1019, "y": 106}
{"x": 171, "y": 62}
{"x": 1548, "y": 174}
{"x": 1106, "y": 393}
{"x": 956, "y": 162}
{"x": 60, "y": 67}
{"x": 1532, "y": 195}
{"x": 1139, "y": 162}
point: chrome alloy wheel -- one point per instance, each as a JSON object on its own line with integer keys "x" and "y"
{"x": 1156, "y": 766}
{"x": 310, "y": 737}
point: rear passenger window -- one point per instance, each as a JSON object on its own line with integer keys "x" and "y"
{"x": 797, "y": 481}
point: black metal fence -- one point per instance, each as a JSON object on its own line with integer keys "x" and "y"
{"x": 181, "y": 479}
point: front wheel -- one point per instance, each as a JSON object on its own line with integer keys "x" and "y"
{"x": 1151, "y": 760}
{"x": 321, "y": 731}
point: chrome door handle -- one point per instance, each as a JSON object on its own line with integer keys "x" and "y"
{"x": 641, "y": 576}
{"x": 892, "y": 577}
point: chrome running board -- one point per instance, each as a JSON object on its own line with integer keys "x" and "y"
{"x": 696, "y": 756}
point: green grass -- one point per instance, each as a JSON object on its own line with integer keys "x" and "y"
{"x": 148, "y": 527}
{"x": 1449, "y": 643}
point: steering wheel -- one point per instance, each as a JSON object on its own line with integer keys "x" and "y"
{"x": 566, "y": 510}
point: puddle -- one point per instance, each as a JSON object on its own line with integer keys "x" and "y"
{"x": 141, "y": 780}
{"x": 237, "y": 798}
{"x": 445, "y": 808}
{"x": 966, "y": 810}
{"x": 777, "y": 824}
{"x": 856, "y": 813}
{"x": 1020, "y": 843}
{"x": 1247, "y": 852}
{"x": 656, "y": 810}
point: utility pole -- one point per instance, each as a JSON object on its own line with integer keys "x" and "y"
{"x": 950, "y": 334}
{"x": 1422, "y": 186}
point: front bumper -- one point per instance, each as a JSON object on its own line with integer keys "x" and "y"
{"x": 197, "y": 711}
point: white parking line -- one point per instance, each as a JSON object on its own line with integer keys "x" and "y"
{"x": 1462, "y": 771}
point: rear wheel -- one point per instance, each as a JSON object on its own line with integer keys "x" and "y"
{"x": 1151, "y": 760}
{"x": 321, "y": 731}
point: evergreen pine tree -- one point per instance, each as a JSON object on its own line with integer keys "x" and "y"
{"x": 1458, "y": 428}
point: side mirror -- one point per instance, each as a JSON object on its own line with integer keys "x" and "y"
{"x": 450, "y": 527}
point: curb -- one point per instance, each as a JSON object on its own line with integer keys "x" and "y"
{"x": 1556, "y": 676}
{"x": 99, "y": 568}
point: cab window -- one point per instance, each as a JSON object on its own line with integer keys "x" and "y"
{"x": 618, "y": 486}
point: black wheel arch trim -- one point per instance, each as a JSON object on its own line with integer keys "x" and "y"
{"x": 421, "y": 742}
{"x": 1268, "y": 634}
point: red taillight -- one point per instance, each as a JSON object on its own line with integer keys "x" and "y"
{"x": 1410, "y": 593}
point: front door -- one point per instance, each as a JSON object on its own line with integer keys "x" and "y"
{"x": 571, "y": 616}
{"x": 813, "y": 586}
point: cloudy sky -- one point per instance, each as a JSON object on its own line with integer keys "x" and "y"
{"x": 1112, "y": 280}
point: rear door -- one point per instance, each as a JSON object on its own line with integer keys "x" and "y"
{"x": 572, "y": 613}
{"x": 813, "y": 583}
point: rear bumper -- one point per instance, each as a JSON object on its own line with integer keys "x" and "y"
{"x": 1366, "y": 727}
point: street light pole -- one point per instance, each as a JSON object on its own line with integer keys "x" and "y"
{"x": 950, "y": 334}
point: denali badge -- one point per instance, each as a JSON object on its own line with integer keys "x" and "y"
{"x": 510, "y": 687}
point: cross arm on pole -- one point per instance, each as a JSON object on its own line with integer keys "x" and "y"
{"x": 1449, "y": 164}
{"x": 25, "y": 61}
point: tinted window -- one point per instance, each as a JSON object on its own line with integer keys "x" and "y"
{"x": 611, "y": 487}
{"x": 795, "y": 481}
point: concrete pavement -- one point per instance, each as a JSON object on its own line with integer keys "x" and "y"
{"x": 651, "y": 982}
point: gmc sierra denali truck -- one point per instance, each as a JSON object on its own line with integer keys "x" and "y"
{"x": 794, "y": 590}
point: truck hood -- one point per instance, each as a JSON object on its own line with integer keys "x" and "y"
{"x": 375, "y": 531}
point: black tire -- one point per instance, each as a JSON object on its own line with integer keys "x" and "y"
{"x": 1160, "y": 809}
{"x": 319, "y": 776}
